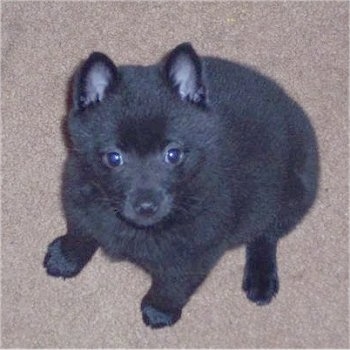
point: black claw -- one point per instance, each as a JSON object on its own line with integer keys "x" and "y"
{"x": 261, "y": 289}
{"x": 155, "y": 318}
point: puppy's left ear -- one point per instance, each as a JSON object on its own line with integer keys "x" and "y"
{"x": 96, "y": 78}
{"x": 183, "y": 70}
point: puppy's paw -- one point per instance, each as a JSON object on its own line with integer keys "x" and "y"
{"x": 260, "y": 287}
{"x": 156, "y": 318}
{"x": 57, "y": 263}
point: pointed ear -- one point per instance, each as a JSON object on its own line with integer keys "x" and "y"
{"x": 96, "y": 78}
{"x": 183, "y": 71}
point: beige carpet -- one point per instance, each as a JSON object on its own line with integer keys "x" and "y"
{"x": 302, "y": 45}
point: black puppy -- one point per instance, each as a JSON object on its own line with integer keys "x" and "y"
{"x": 172, "y": 164}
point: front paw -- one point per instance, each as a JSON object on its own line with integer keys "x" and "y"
{"x": 156, "y": 318}
{"x": 260, "y": 287}
{"x": 57, "y": 264}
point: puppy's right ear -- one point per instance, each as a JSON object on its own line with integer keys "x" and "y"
{"x": 183, "y": 70}
{"x": 96, "y": 78}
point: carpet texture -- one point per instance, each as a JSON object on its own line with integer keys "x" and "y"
{"x": 301, "y": 45}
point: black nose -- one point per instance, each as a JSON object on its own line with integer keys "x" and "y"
{"x": 146, "y": 208}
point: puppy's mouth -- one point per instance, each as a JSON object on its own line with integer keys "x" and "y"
{"x": 140, "y": 223}
{"x": 145, "y": 213}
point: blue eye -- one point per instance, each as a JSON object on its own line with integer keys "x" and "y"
{"x": 173, "y": 155}
{"x": 113, "y": 159}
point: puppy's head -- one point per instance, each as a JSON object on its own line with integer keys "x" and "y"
{"x": 144, "y": 135}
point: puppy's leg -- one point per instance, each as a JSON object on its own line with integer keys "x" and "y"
{"x": 172, "y": 288}
{"x": 260, "y": 275}
{"x": 67, "y": 255}
{"x": 162, "y": 305}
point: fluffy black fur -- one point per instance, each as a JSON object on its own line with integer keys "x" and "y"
{"x": 173, "y": 164}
